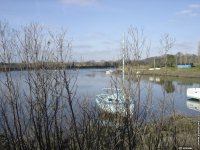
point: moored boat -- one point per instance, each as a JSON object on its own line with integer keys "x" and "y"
{"x": 193, "y": 93}
{"x": 114, "y": 100}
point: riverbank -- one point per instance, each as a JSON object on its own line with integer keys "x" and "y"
{"x": 144, "y": 70}
{"x": 177, "y": 130}
{"x": 173, "y": 72}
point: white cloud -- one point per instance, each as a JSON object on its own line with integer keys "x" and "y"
{"x": 184, "y": 46}
{"x": 185, "y": 12}
{"x": 194, "y": 6}
{"x": 79, "y": 2}
{"x": 191, "y": 10}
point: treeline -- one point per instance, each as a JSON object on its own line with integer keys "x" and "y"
{"x": 158, "y": 61}
{"x": 57, "y": 65}
{"x": 172, "y": 60}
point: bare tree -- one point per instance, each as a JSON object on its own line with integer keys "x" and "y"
{"x": 38, "y": 101}
{"x": 38, "y": 105}
{"x": 167, "y": 43}
{"x": 136, "y": 45}
{"x": 198, "y": 52}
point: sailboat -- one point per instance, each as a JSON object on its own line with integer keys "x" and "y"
{"x": 113, "y": 100}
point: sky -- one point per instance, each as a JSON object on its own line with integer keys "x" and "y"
{"x": 96, "y": 26}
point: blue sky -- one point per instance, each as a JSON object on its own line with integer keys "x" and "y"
{"x": 96, "y": 26}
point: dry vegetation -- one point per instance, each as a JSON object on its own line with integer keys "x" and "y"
{"x": 38, "y": 108}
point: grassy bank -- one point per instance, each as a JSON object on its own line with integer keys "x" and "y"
{"x": 178, "y": 131}
{"x": 170, "y": 71}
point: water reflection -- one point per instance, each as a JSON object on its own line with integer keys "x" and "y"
{"x": 91, "y": 81}
{"x": 92, "y": 75}
{"x": 151, "y": 87}
{"x": 168, "y": 86}
{"x": 193, "y": 104}
{"x": 154, "y": 79}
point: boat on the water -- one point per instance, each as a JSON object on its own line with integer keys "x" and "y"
{"x": 193, "y": 93}
{"x": 109, "y": 71}
{"x": 114, "y": 100}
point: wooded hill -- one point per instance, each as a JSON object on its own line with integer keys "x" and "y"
{"x": 171, "y": 60}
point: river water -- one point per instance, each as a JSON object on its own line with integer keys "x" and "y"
{"x": 91, "y": 81}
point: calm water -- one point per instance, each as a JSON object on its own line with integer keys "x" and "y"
{"x": 91, "y": 81}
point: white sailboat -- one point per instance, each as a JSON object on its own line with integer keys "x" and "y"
{"x": 193, "y": 93}
{"x": 113, "y": 100}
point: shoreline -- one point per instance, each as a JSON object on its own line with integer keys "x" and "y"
{"x": 172, "y": 72}
{"x": 169, "y": 72}
{"x": 171, "y": 75}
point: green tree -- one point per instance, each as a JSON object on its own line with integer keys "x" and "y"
{"x": 171, "y": 60}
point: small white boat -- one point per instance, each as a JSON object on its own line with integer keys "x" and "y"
{"x": 113, "y": 101}
{"x": 194, "y": 105}
{"x": 154, "y": 79}
{"x": 109, "y": 71}
{"x": 193, "y": 93}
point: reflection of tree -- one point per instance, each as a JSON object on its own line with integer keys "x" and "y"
{"x": 168, "y": 86}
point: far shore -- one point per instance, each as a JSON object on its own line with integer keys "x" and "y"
{"x": 172, "y": 74}
{"x": 48, "y": 66}
{"x": 169, "y": 71}
{"x": 144, "y": 70}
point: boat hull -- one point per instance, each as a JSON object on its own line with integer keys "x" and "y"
{"x": 114, "y": 103}
{"x": 193, "y": 93}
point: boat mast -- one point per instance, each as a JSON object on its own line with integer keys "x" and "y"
{"x": 123, "y": 51}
